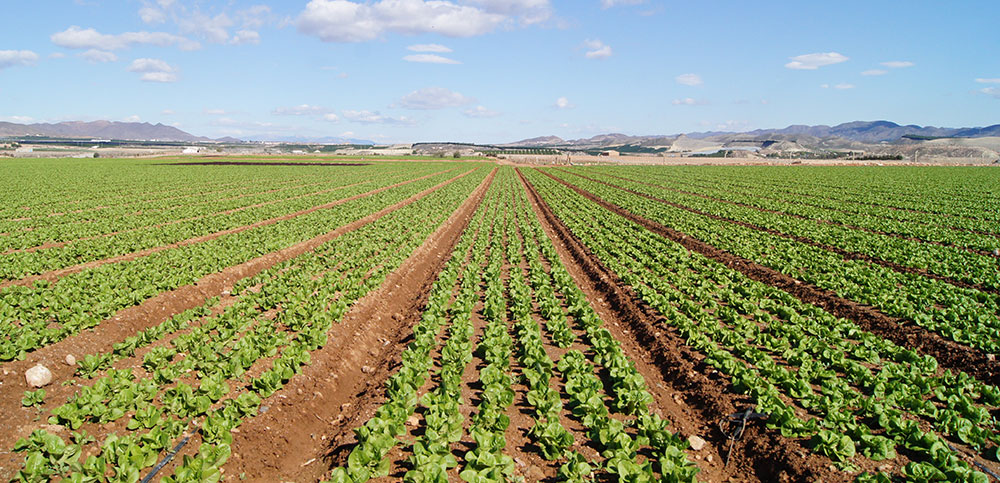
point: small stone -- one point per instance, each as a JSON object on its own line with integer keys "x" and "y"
{"x": 263, "y": 409}
{"x": 38, "y": 376}
{"x": 697, "y": 443}
{"x": 709, "y": 458}
{"x": 519, "y": 462}
{"x": 412, "y": 420}
{"x": 343, "y": 407}
{"x": 991, "y": 357}
{"x": 367, "y": 369}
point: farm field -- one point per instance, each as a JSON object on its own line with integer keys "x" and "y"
{"x": 308, "y": 319}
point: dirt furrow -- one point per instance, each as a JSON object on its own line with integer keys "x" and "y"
{"x": 700, "y": 394}
{"x": 846, "y": 254}
{"x": 816, "y": 220}
{"x": 363, "y": 351}
{"x": 949, "y": 354}
{"x": 62, "y": 272}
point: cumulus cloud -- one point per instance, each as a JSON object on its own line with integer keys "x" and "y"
{"x": 991, "y": 91}
{"x": 841, "y": 87}
{"x": 11, "y": 58}
{"x": 153, "y": 70}
{"x": 598, "y": 50}
{"x": 897, "y": 64}
{"x": 133, "y": 118}
{"x": 815, "y": 61}
{"x": 563, "y": 103}
{"x": 527, "y": 12}
{"x": 331, "y": 117}
{"x": 689, "y": 101}
{"x": 872, "y": 72}
{"x": 17, "y": 119}
{"x": 244, "y": 37}
{"x": 689, "y": 79}
{"x": 434, "y": 98}
{"x": 347, "y": 21}
{"x": 435, "y": 48}
{"x": 480, "y": 111}
{"x": 213, "y": 27}
{"x": 80, "y": 38}
{"x": 301, "y": 110}
{"x": 613, "y": 3}
{"x": 995, "y": 80}
{"x": 98, "y": 56}
{"x": 374, "y": 117}
{"x": 430, "y": 59}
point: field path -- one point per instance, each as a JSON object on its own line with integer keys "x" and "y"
{"x": 949, "y": 354}
{"x": 346, "y": 376}
{"x": 62, "y": 272}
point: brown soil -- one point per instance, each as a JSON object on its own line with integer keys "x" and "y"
{"x": 816, "y": 220}
{"x": 949, "y": 354}
{"x": 15, "y": 420}
{"x": 846, "y": 254}
{"x": 345, "y": 378}
{"x": 54, "y": 275}
{"x": 244, "y": 163}
{"x": 698, "y": 395}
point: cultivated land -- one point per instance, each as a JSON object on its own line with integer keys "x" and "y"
{"x": 309, "y": 319}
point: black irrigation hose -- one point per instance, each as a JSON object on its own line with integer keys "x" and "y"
{"x": 159, "y": 466}
{"x": 740, "y": 420}
{"x": 978, "y": 464}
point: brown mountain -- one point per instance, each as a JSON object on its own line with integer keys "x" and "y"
{"x": 132, "y": 131}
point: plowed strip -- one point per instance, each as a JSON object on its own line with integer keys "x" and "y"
{"x": 848, "y": 255}
{"x": 152, "y": 311}
{"x": 183, "y": 220}
{"x": 801, "y": 217}
{"x": 289, "y": 442}
{"x": 949, "y": 354}
{"x": 62, "y": 272}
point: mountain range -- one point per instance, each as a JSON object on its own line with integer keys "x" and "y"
{"x": 130, "y": 131}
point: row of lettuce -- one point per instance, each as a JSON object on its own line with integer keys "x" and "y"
{"x": 202, "y": 375}
{"x": 854, "y": 395}
{"x": 497, "y": 276}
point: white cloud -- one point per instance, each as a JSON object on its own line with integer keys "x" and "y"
{"x": 370, "y": 117}
{"x": 153, "y": 70}
{"x": 347, "y": 21}
{"x": 815, "y": 61}
{"x": 168, "y": 112}
{"x": 527, "y": 11}
{"x": 872, "y": 72}
{"x": 301, "y": 110}
{"x": 11, "y": 58}
{"x": 842, "y": 86}
{"x": 244, "y": 37}
{"x": 57, "y": 55}
{"x": 995, "y": 80}
{"x": 897, "y": 64}
{"x": 430, "y": 59}
{"x": 331, "y": 117}
{"x": 689, "y": 101}
{"x": 96, "y": 56}
{"x": 79, "y": 38}
{"x": 689, "y": 79}
{"x": 17, "y": 119}
{"x": 480, "y": 111}
{"x": 612, "y": 3}
{"x": 347, "y": 134}
{"x": 215, "y": 112}
{"x": 434, "y": 98}
{"x": 213, "y": 28}
{"x": 598, "y": 50}
{"x": 132, "y": 118}
{"x": 436, "y": 48}
{"x": 563, "y": 103}
{"x": 991, "y": 91}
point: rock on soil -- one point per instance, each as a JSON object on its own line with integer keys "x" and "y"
{"x": 38, "y": 376}
{"x": 697, "y": 443}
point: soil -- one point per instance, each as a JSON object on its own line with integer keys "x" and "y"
{"x": 949, "y": 354}
{"x": 696, "y": 389}
{"x": 343, "y": 383}
{"x": 54, "y": 275}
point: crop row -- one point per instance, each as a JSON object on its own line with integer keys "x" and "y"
{"x": 205, "y": 380}
{"x": 964, "y": 315}
{"x": 855, "y": 396}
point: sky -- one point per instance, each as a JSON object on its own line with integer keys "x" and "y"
{"x": 493, "y": 71}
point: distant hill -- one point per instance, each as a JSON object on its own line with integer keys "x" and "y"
{"x": 132, "y": 131}
{"x": 857, "y": 131}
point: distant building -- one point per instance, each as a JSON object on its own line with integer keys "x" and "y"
{"x": 190, "y": 150}
{"x": 610, "y": 152}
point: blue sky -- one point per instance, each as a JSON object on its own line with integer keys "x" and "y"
{"x": 499, "y": 70}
